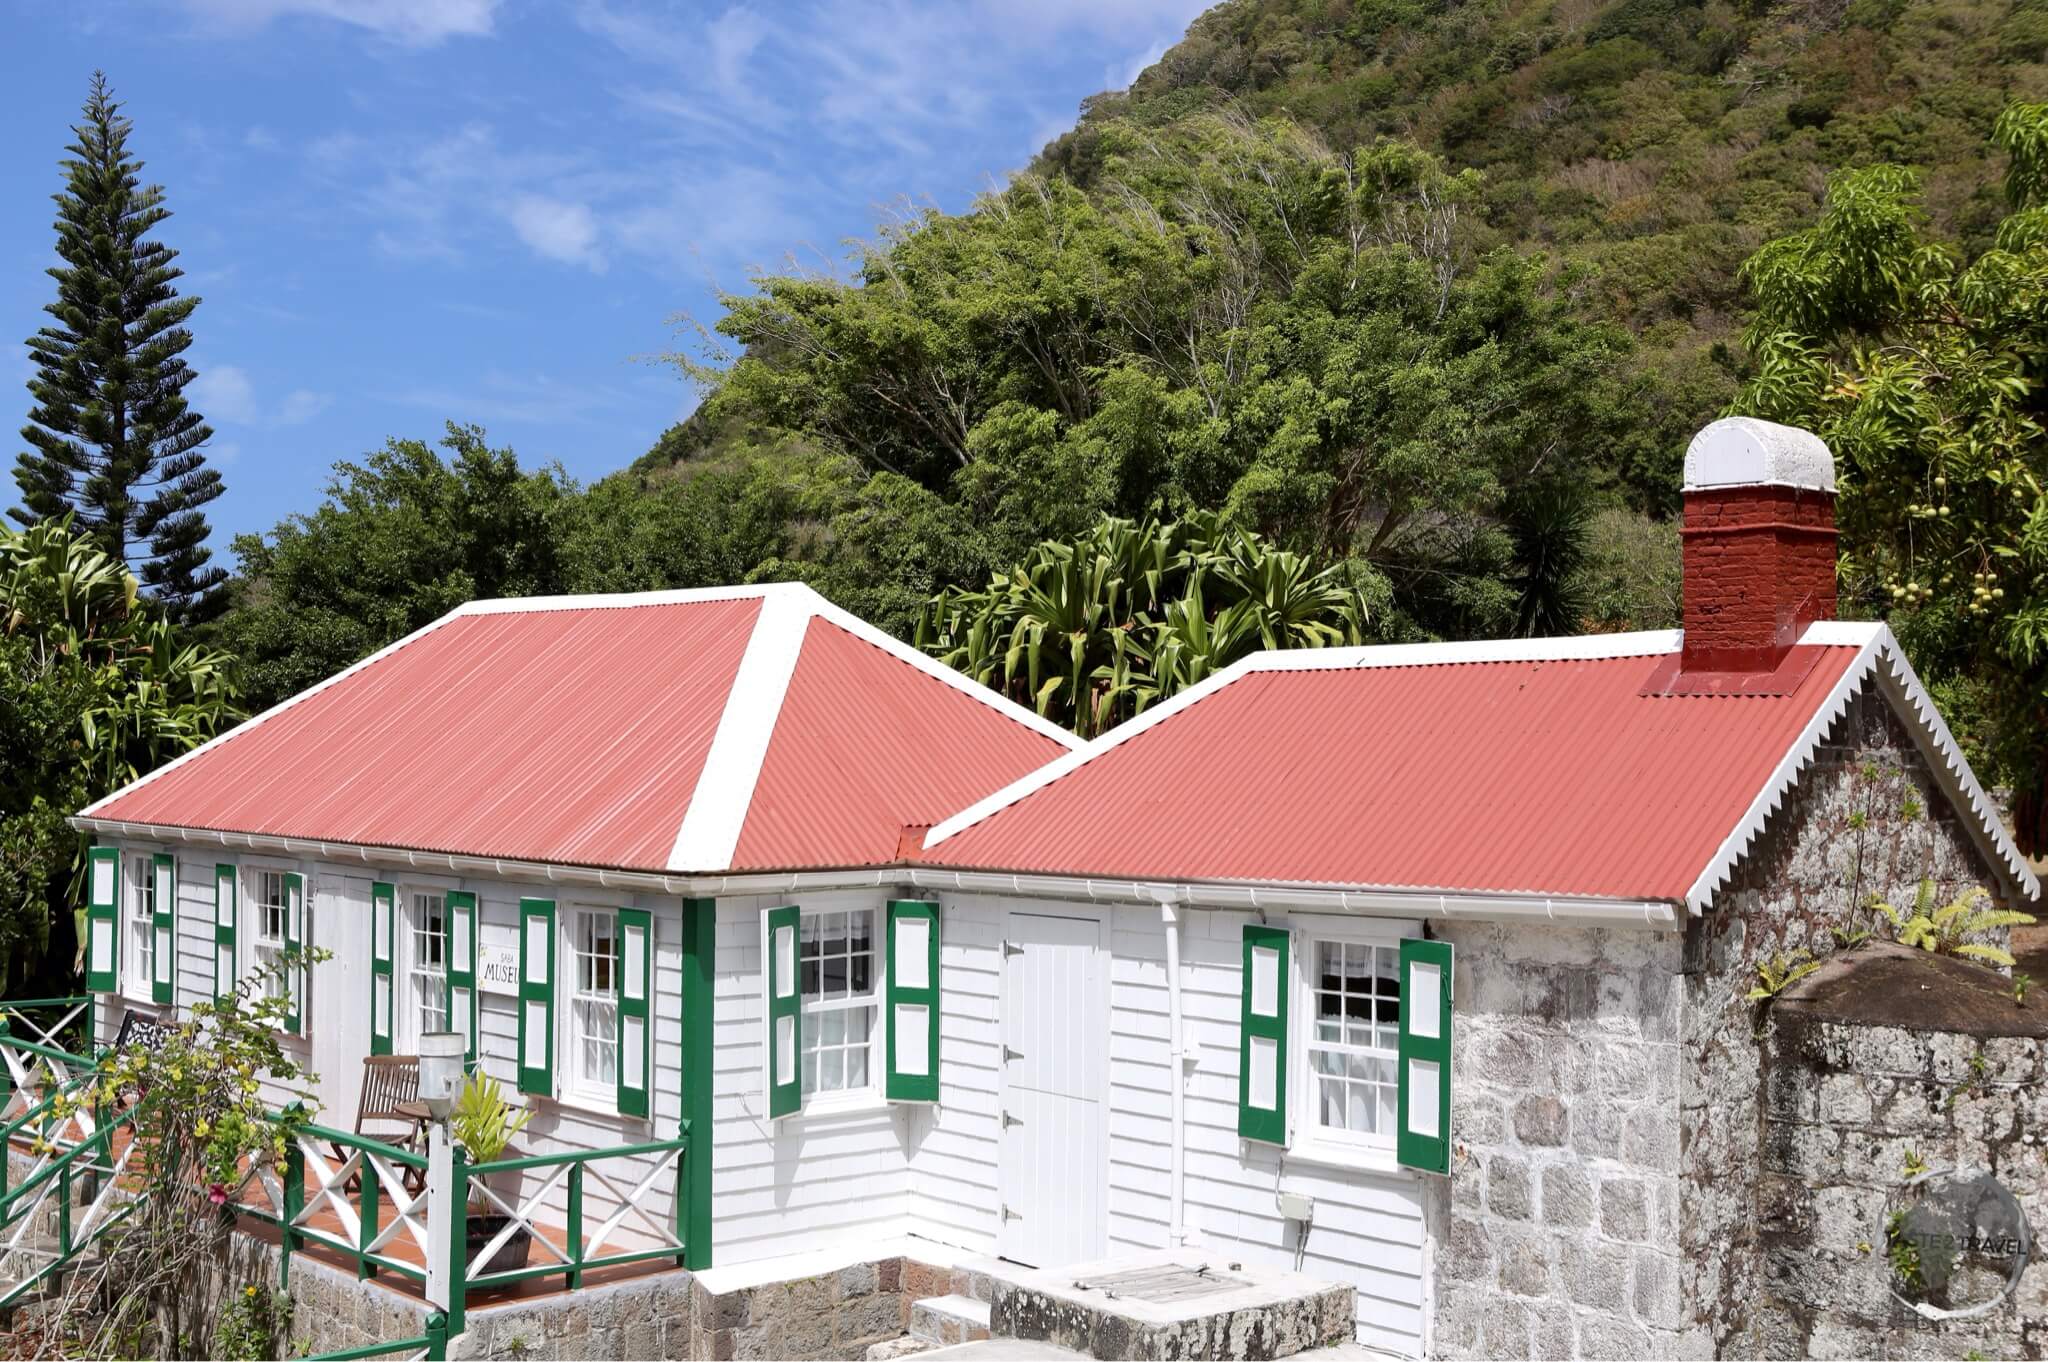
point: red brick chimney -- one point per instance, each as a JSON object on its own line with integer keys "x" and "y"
{"x": 1759, "y": 541}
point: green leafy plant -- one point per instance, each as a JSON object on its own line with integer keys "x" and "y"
{"x": 1849, "y": 938}
{"x": 252, "y": 1325}
{"x": 1902, "y": 1251}
{"x": 483, "y": 1122}
{"x": 2020, "y": 984}
{"x": 1946, "y": 930}
{"x": 1914, "y": 1165}
{"x": 1779, "y": 973}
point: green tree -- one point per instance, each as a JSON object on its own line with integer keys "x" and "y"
{"x": 1312, "y": 342}
{"x": 112, "y": 439}
{"x": 1093, "y": 630}
{"x": 402, "y": 538}
{"x": 94, "y": 691}
{"x": 1925, "y": 374}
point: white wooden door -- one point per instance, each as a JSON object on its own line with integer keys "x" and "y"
{"x": 337, "y": 1019}
{"x": 1052, "y": 1162}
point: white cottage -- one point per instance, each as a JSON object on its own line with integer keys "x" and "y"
{"x": 1405, "y": 967}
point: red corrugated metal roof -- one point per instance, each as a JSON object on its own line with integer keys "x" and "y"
{"x": 586, "y": 731}
{"x": 1516, "y": 776}
{"x": 867, "y": 743}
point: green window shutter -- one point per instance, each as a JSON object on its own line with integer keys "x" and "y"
{"x": 294, "y": 942}
{"x": 224, "y": 885}
{"x": 537, "y": 996}
{"x": 461, "y": 960}
{"x": 163, "y": 985}
{"x": 383, "y": 927}
{"x": 779, "y": 949}
{"x": 102, "y": 928}
{"x": 1262, "y": 1037}
{"x": 636, "y": 1031}
{"x": 913, "y": 1002}
{"x": 1423, "y": 1138}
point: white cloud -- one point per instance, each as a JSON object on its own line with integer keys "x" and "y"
{"x": 300, "y": 406}
{"x": 557, "y": 229}
{"x": 416, "y": 23}
{"x": 224, "y": 393}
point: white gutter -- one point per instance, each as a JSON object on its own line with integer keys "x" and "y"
{"x": 1377, "y": 902}
{"x": 1176, "y": 1230}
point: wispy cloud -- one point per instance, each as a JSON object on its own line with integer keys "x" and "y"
{"x": 557, "y": 229}
{"x": 415, "y": 23}
{"x": 225, "y": 395}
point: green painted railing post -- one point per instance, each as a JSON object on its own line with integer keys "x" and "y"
{"x": 437, "y": 1337}
{"x": 457, "y": 1249}
{"x": 364, "y": 1267}
{"x": 294, "y": 1202}
{"x": 575, "y": 1225}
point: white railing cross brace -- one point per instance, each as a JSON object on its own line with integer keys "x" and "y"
{"x": 629, "y": 1202}
{"x": 519, "y": 1220}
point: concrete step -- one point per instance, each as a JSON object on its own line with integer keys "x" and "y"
{"x": 949, "y": 1319}
{"x": 889, "y": 1349}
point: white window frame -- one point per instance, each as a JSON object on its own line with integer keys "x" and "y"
{"x": 138, "y": 925}
{"x": 814, "y": 1011}
{"x": 1310, "y": 1140}
{"x": 251, "y": 946}
{"x": 577, "y": 1086}
{"x": 409, "y": 1029}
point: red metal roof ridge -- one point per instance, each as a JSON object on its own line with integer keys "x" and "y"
{"x": 1578, "y": 647}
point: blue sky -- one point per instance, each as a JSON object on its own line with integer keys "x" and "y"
{"x": 401, "y": 212}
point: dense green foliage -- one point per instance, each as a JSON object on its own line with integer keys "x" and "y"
{"x": 95, "y": 690}
{"x": 1092, "y": 631}
{"x": 1311, "y": 343}
{"x": 1925, "y": 373}
{"x": 112, "y": 440}
{"x": 1659, "y": 141}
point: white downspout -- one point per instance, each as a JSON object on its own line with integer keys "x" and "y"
{"x": 1176, "y": 1233}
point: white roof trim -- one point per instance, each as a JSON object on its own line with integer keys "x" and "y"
{"x": 725, "y": 787}
{"x": 1881, "y": 657}
{"x": 1408, "y": 904}
{"x": 620, "y": 600}
{"x": 1582, "y": 647}
{"x": 268, "y": 714}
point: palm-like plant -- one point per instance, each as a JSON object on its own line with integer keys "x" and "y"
{"x": 99, "y": 690}
{"x": 1092, "y": 631}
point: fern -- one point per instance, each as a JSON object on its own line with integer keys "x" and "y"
{"x": 1779, "y": 973}
{"x": 1947, "y": 930}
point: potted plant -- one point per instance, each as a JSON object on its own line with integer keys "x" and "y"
{"x": 483, "y": 1123}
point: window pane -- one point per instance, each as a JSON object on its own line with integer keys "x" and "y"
{"x": 832, "y": 980}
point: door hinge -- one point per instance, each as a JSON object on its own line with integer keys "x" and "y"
{"x": 1009, "y": 1120}
{"x": 1011, "y": 948}
{"x": 1009, "y": 1215}
{"x": 1009, "y": 1054}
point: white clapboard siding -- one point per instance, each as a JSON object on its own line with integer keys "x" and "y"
{"x": 1368, "y": 1230}
{"x": 808, "y": 1181}
{"x": 954, "y": 1197}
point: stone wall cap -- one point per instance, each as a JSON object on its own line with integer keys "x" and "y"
{"x": 1885, "y": 984}
{"x": 1742, "y": 451}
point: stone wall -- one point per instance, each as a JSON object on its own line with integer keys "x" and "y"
{"x": 1560, "y": 1237}
{"x": 1865, "y": 818}
{"x": 1846, "y": 1105}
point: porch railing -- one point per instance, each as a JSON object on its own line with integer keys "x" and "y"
{"x": 57, "y": 1022}
{"x": 352, "y": 1178}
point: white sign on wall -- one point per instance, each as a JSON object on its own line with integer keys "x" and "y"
{"x": 497, "y": 966}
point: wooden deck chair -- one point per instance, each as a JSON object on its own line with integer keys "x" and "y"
{"x": 389, "y": 1082}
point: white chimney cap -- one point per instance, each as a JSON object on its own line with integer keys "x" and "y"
{"x": 1741, "y": 451}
